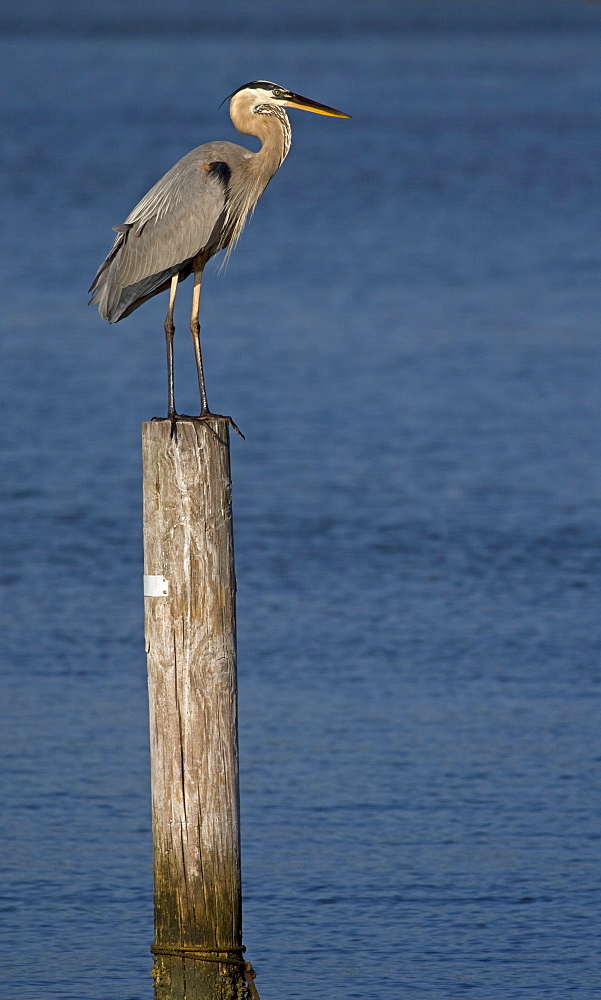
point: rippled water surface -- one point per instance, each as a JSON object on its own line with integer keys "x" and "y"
{"x": 408, "y": 334}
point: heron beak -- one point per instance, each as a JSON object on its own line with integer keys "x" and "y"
{"x": 296, "y": 101}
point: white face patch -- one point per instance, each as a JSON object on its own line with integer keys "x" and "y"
{"x": 257, "y": 94}
{"x": 256, "y": 100}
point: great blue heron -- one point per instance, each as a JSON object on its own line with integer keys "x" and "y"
{"x": 197, "y": 209}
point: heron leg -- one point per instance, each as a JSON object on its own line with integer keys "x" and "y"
{"x": 199, "y": 264}
{"x": 195, "y": 331}
{"x": 169, "y": 334}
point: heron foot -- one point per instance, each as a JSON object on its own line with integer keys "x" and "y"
{"x": 174, "y": 417}
{"x": 220, "y": 416}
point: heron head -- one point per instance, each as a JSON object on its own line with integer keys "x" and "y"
{"x": 261, "y": 93}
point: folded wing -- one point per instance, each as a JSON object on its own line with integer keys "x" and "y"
{"x": 182, "y": 215}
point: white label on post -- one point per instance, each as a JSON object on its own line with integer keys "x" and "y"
{"x": 156, "y": 586}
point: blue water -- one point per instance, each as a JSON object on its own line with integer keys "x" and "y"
{"x": 408, "y": 335}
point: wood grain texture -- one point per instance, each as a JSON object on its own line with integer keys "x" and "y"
{"x": 191, "y": 654}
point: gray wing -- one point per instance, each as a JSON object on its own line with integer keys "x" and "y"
{"x": 180, "y": 216}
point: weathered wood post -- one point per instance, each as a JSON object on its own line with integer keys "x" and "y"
{"x": 189, "y": 587}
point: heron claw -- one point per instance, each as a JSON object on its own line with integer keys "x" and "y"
{"x": 173, "y": 418}
{"x": 220, "y": 416}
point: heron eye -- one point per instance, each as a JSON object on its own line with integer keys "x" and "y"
{"x": 278, "y": 93}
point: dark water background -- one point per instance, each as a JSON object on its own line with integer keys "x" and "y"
{"x": 408, "y": 334}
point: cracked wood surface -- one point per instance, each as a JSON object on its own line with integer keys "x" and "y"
{"x": 191, "y": 654}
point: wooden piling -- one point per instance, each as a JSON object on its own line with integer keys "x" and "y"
{"x": 191, "y": 649}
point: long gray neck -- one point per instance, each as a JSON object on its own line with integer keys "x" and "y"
{"x": 270, "y": 124}
{"x": 272, "y": 127}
